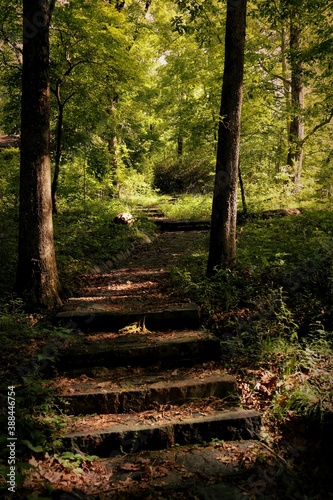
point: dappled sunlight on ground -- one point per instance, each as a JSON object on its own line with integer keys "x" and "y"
{"x": 141, "y": 282}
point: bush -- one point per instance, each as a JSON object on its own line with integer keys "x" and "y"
{"x": 188, "y": 207}
{"x": 9, "y": 179}
{"x": 190, "y": 174}
{"x": 307, "y": 389}
{"x": 27, "y": 356}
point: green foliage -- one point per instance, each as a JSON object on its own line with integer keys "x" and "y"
{"x": 84, "y": 233}
{"x": 120, "y": 96}
{"x": 73, "y": 461}
{"x": 189, "y": 174}
{"x": 187, "y": 207}
{"x": 273, "y": 309}
{"x": 29, "y": 330}
{"x": 27, "y": 356}
{"x": 307, "y": 386}
{"x": 83, "y": 239}
{"x": 9, "y": 179}
{"x": 292, "y": 254}
{"x": 98, "y": 160}
{"x": 134, "y": 187}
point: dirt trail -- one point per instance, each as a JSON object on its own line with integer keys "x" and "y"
{"x": 141, "y": 282}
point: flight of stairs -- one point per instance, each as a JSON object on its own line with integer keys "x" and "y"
{"x": 146, "y": 380}
{"x": 132, "y": 387}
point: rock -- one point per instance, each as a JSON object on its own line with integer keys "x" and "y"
{"x": 124, "y": 218}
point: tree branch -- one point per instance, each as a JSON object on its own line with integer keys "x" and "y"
{"x": 274, "y": 75}
{"x": 13, "y": 45}
{"x": 68, "y": 98}
{"x": 317, "y": 127}
{"x": 72, "y": 66}
{"x": 210, "y": 22}
{"x": 51, "y": 8}
{"x": 5, "y": 61}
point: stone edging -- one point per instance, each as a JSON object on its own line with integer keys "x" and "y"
{"x": 112, "y": 263}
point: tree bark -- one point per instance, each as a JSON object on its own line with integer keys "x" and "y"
{"x": 296, "y": 129}
{"x": 55, "y": 181}
{"x": 112, "y": 145}
{"x": 286, "y": 84}
{"x": 37, "y": 278}
{"x": 222, "y": 249}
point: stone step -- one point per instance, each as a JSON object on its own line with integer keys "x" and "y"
{"x": 181, "y": 348}
{"x": 124, "y": 390}
{"x": 131, "y": 433}
{"x": 149, "y": 211}
{"x": 176, "y": 225}
{"x": 181, "y": 316}
{"x": 210, "y": 472}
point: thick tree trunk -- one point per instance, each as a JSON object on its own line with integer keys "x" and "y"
{"x": 296, "y": 129}
{"x": 222, "y": 250}
{"x": 37, "y": 278}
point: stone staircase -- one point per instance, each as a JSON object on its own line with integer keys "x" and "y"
{"x": 165, "y": 224}
{"x": 146, "y": 380}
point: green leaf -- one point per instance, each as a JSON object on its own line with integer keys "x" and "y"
{"x": 37, "y": 449}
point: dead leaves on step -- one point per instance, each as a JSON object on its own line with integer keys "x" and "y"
{"x": 108, "y": 379}
{"x": 152, "y": 474}
{"x": 89, "y": 477}
{"x": 158, "y": 414}
{"x": 147, "y": 470}
{"x": 257, "y": 388}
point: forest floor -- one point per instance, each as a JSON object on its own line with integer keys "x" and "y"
{"x": 289, "y": 461}
{"x": 280, "y": 465}
{"x": 141, "y": 282}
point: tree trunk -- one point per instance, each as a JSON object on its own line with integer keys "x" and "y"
{"x": 286, "y": 82}
{"x": 222, "y": 250}
{"x": 296, "y": 130}
{"x": 180, "y": 145}
{"x": 54, "y": 188}
{"x": 37, "y": 277}
{"x": 147, "y": 6}
{"x": 241, "y": 185}
{"x": 112, "y": 145}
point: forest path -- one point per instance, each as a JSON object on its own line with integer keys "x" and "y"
{"x": 139, "y": 282}
{"x": 144, "y": 376}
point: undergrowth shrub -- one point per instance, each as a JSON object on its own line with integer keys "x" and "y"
{"x": 264, "y": 309}
{"x": 189, "y": 174}
{"x": 307, "y": 389}
{"x": 85, "y": 239}
{"x": 188, "y": 207}
{"x": 9, "y": 179}
{"x": 29, "y": 347}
